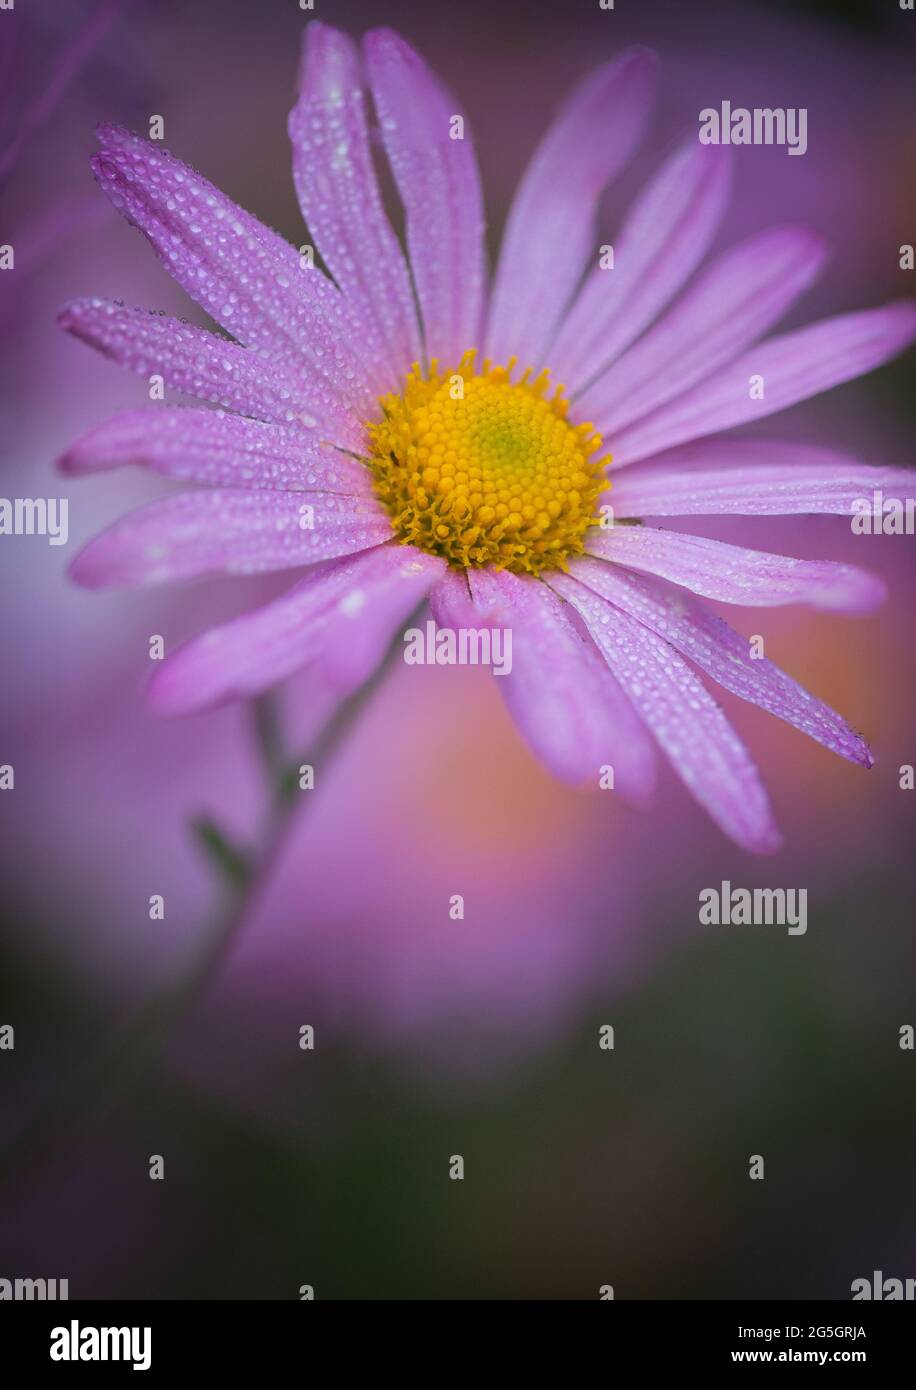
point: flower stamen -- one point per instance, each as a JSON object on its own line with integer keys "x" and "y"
{"x": 486, "y": 471}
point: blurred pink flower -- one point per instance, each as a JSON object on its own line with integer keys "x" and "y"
{"x": 437, "y": 497}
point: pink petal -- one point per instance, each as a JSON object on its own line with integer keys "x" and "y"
{"x": 229, "y": 532}
{"x": 200, "y": 364}
{"x": 722, "y": 653}
{"x": 736, "y": 299}
{"x": 451, "y": 602}
{"x": 662, "y": 241}
{"x": 794, "y": 366}
{"x": 368, "y": 616}
{"x": 550, "y": 234}
{"x": 560, "y": 693}
{"x": 357, "y": 602}
{"x": 439, "y": 183}
{"x": 340, "y": 200}
{"x": 753, "y": 477}
{"x": 245, "y": 275}
{"x": 732, "y": 574}
{"x": 220, "y": 450}
{"x": 702, "y": 746}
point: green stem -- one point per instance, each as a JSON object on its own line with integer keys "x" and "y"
{"x": 91, "y": 1095}
{"x": 269, "y": 738}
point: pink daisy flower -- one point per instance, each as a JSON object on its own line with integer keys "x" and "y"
{"x": 391, "y": 426}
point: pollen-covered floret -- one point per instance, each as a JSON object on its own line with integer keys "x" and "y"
{"x": 486, "y": 471}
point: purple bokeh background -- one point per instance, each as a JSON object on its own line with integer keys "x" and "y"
{"x": 573, "y": 902}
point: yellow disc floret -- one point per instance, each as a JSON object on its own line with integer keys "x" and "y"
{"x": 486, "y": 471}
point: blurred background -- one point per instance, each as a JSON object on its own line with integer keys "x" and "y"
{"x": 330, "y": 1167}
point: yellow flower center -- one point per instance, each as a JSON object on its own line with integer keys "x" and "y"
{"x": 484, "y": 471}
